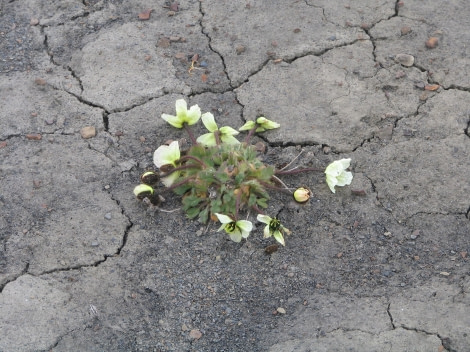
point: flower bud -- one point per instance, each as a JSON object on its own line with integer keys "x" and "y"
{"x": 302, "y": 195}
{"x": 149, "y": 178}
{"x": 247, "y": 126}
{"x": 142, "y": 191}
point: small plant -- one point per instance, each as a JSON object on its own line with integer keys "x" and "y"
{"x": 220, "y": 178}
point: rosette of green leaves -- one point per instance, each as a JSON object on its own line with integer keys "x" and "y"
{"x": 229, "y": 179}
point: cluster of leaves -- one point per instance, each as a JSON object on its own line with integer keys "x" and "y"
{"x": 226, "y": 179}
{"x": 220, "y": 178}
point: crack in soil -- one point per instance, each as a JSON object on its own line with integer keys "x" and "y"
{"x": 390, "y": 316}
{"x": 209, "y": 39}
{"x": 23, "y": 272}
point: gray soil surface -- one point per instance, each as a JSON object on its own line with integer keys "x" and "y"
{"x": 382, "y": 265}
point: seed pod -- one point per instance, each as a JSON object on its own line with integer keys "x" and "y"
{"x": 166, "y": 168}
{"x": 150, "y": 178}
{"x": 302, "y": 195}
{"x": 143, "y": 191}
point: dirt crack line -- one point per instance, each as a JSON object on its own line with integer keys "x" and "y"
{"x": 211, "y": 47}
{"x": 23, "y": 272}
{"x": 390, "y": 316}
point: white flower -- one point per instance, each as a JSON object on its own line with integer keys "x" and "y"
{"x": 183, "y": 115}
{"x": 167, "y": 155}
{"x": 336, "y": 174}
{"x": 236, "y": 229}
{"x": 273, "y": 228}
{"x": 226, "y": 133}
{"x": 265, "y": 124}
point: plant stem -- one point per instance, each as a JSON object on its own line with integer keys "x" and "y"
{"x": 176, "y": 185}
{"x": 217, "y": 137}
{"x": 290, "y": 163}
{"x": 295, "y": 171}
{"x": 179, "y": 168}
{"x": 237, "y": 204}
{"x": 270, "y": 186}
{"x": 195, "y": 159}
{"x": 250, "y": 133}
{"x": 190, "y": 133}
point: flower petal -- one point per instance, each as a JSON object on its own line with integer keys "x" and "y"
{"x": 229, "y": 140}
{"x": 247, "y": 126}
{"x": 264, "y": 219}
{"x": 207, "y": 139}
{"x": 245, "y": 227}
{"x": 267, "y": 124}
{"x": 170, "y": 179}
{"x": 336, "y": 174}
{"x": 344, "y": 178}
{"x": 181, "y": 108}
{"x": 193, "y": 115}
{"x": 331, "y": 181}
{"x": 173, "y": 120}
{"x": 224, "y": 219}
{"x": 236, "y": 235}
{"x": 266, "y": 232}
{"x": 209, "y": 121}
{"x": 167, "y": 154}
{"x": 228, "y": 131}
{"x": 278, "y": 236}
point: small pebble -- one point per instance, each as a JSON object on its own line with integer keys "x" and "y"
{"x": 203, "y": 64}
{"x": 40, "y": 81}
{"x": 195, "y": 334}
{"x": 94, "y": 244}
{"x": 432, "y": 42}
{"x": 108, "y": 216}
{"x": 420, "y": 85}
{"x": 88, "y": 132}
{"x": 240, "y": 49}
{"x": 444, "y": 273}
{"x": 34, "y": 21}
{"x": 405, "y": 30}
{"x": 163, "y": 43}
{"x": 34, "y": 136}
{"x": 281, "y": 310}
{"x": 405, "y": 59}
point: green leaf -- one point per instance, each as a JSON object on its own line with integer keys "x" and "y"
{"x": 262, "y": 202}
{"x": 192, "y": 212}
{"x": 204, "y": 215}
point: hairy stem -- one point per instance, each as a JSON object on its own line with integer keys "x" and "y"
{"x": 190, "y": 133}
{"x": 295, "y": 171}
{"x": 186, "y": 157}
{"x": 250, "y": 134}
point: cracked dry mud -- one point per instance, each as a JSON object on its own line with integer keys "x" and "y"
{"x": 381, "y": 265}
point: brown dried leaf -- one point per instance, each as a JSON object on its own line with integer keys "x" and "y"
{"x": 271, "y": 249}
{"x": 431, "y": 87}
{"x": 145, "y": 15}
